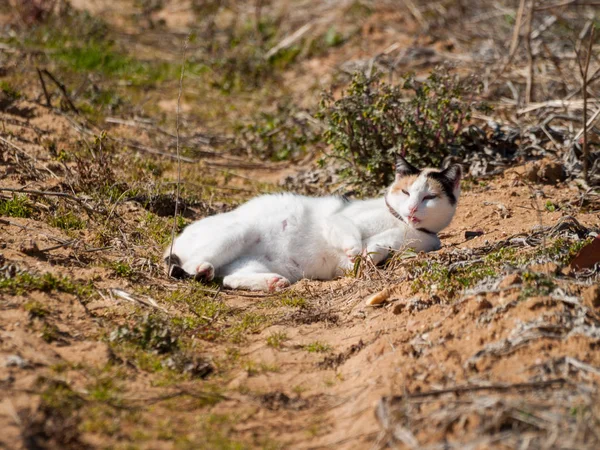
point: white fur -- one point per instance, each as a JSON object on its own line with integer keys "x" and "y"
{"x": 274, "y": 240}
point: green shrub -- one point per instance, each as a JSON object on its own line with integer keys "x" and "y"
{"x": 374, "y": 121}
{"x": 284, "y": 135}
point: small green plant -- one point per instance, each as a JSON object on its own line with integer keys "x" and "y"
{"x": 156, "y": 229}
{"x": 536, "y": 284}
{"x": 94, "y": 170}
{"x": 285, "y": 134}
{"x": 254, "y": 368}
{"x": 16, "y": 206}
{"x": 291, "y": 300}
{"x": 249, "y": 323}
{"x": 35, "y": 309}
{"x": 317, "y": 347}
{"x": 436, "y": 277}
{"x": 205, "y": 310}
{"x": 152, "y": 332}
{"x": 123, "y": 269}
{"x": 374, "y": 122}
{"x": 104, "y": 389}
{"x": 550, "y": 206}
{"x": 50, "y": 332}
{"x": 67, "y": 221}
{"x": 47, "y": 282}
{"x": 59, "y": 396}
{"x": 277, "y": 339}
{"x": 9, "y": 92}
{"x": 563, "y": 250}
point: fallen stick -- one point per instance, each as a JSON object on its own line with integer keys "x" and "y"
{"x": 501, "y": 387}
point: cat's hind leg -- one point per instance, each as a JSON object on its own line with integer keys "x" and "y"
{"x": 253, "y": 275}
{"x": 211, "y": 244}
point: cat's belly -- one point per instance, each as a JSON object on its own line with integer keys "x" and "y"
{"x": 295, "y": 248}
{"x": 318, "y": 266}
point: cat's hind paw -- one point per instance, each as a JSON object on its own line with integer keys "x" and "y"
{"x": 204, "y": 272}
{"x": 277, "y": 283}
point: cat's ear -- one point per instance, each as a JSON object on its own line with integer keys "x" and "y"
{"x": 453, "y": 174}
{"x": 404, "y": 168}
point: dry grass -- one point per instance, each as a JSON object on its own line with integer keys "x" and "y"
{"x": 101, "y": 349}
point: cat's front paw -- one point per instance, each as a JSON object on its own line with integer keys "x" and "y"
{"x": 277, "y": 283}
{"x": 353, "y": 253}
{"x": 204, "y": 272}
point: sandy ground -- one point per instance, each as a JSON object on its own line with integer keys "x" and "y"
{"x": 491, "y": 342}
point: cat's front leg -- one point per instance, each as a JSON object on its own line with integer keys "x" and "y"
{"x": 342, "y": 234}
{"x": 378, "y": 247}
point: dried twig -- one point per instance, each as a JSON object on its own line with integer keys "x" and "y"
{"x": 16, "y": 147}
{"x": 566, "y": 3}
{"x": 43, "y": 83}
{"x": 502, "y": 387}
{"x": 530, "y": 72}
{"x": 51, "y": 194}
{"x": 61, "y": 87}
{"x": 178, "y": 190}
{"x": 514, "y": 44}
{"x": 148, "y": 301}
{"x": 289, "y": 40}
{"x": 584, "y": 79}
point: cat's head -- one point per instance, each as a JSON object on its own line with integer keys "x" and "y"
{"x": 425, "y": 198}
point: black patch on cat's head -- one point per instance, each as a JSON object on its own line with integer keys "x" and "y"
{"x": 404, "y": 168}
{"x": 448, "y": 179}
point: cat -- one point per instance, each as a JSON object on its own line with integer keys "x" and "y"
{"x": 275, "y": 240}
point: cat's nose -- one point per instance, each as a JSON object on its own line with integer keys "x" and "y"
{"x": 413, "y": 209}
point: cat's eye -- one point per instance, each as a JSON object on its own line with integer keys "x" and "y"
{"x": 429, "y": 197}
{"x": 405, "y": 192}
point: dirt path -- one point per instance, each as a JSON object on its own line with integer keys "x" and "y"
{"x": 304, "y": 368}
{"x": 491, "y": 342}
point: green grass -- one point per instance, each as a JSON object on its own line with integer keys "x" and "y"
{"x": 59, "y": 396}
{"x": 150, "y": 332}
{"x": 17, "y": 206}
{"x": 123, "y": 269}
{"x": 253, "y": 368}
{"x": 434, "y": 277}
{"x": 562, "y": 250}
{"x": 9, "y": 91}
{"x": 536, "y": 284}
{"x": 276, "y": 340}
{"x": 26, "y": 282}
{"x": 104, "y": 388}
{"x": 35, "y": 309}
{"x": 67, "y": 221}
{"x": 317, "y": 347}
{"x": 249, "y": 323}
{"x": 50, "y": 333}
{"x": 203, "y": 307}
{"x": 157, "y": 229}
{"x": 82, "y": 43}
{"x": 287, "y": 299}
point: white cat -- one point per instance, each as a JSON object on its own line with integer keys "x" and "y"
{"x": 274, "y": 240}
